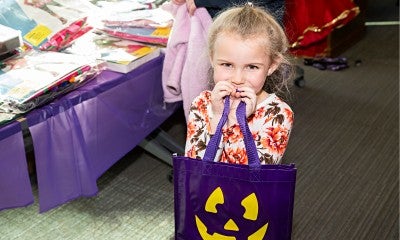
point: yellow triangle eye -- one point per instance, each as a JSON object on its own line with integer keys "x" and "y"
{"x": 250, "y": 204}
{"x": 216, "y": 197}
{"x": 231, "y": 225}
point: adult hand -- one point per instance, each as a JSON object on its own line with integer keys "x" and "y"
{"x": 178, "y": 2}
{"x": 191, "y": 6}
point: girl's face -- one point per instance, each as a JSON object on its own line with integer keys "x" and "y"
{"x": 241, "y": 62}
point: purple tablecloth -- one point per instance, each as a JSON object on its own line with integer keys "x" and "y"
{"x": 78, "y": 137}
{"x": 15, "y": 187}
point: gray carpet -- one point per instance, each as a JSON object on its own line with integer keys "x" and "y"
{"x": 134, "y": 202}
{"x": 345, "y": 144}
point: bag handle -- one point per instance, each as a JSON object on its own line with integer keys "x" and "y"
{"x": 212, "y": 146}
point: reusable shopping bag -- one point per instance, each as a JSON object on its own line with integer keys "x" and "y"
{"x": 223, "y": 201}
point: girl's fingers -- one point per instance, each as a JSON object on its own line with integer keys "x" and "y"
{"x": 220, "y": 91}
{"x": 223, "y": 88}
{"x": 247, "y": 93}
{"x": 248, "y": 96}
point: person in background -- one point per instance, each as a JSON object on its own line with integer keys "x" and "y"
{"x": 248, "y": 51}
{"x": 275, "y": 7}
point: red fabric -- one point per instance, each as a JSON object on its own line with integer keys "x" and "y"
{"x": 309, "y": 22}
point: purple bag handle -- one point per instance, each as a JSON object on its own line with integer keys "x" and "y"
{"x": 251, "y": 149}
{"x": 212, "y": 146}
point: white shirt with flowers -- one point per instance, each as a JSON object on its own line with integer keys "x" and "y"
{"x": 270, "y": 126}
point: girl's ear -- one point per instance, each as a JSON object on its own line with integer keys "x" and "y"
{"x": 275, "y": 64}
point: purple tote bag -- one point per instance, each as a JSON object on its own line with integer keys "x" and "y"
{"x": 221, "y": 201}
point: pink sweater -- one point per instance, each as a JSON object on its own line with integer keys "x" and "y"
{"x": 186, "y": 63}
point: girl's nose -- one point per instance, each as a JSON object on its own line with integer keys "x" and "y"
{"x": 238, "y": 78}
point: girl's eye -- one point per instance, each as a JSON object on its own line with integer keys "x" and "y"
{"x": 226, "y": 64}
{"x": 252, "y": 67}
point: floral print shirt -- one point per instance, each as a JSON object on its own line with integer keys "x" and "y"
{"x": 270, "y": 126}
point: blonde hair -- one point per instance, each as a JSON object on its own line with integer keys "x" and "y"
{"x": 249, "y": 21}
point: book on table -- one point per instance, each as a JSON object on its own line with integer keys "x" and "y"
{"x": 124, "y": 62}
{"x": 119, "y": 55}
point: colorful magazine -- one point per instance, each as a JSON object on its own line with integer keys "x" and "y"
{"x": 141, "y": 18}
{"x": 32, "y": 74}
{"x": 119, "y": 6}
{"x": 119, "y": 55}
{"x": 40, "y": 20}
{"x": 148, "y": 25}
{"x": 151, "y": 35}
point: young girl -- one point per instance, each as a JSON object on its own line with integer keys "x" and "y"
{"x": 247, "y": 49}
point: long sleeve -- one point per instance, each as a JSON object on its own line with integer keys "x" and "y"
{"x": 271, "y": 126}
{"x": 198, "y": 126}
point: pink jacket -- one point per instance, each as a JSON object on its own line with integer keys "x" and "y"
{"x": 186, "y": 63}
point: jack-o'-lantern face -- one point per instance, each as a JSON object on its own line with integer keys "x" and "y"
{"x": 250, "y": 205}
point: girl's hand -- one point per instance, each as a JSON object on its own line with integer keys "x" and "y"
{"x": 220, "y": 91}
{"x": 247, "y": 95}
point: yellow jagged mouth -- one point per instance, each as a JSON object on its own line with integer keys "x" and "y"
{"x": 258, "y": 235}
